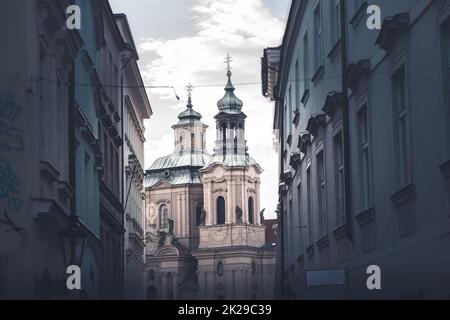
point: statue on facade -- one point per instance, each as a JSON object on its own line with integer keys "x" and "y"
{"x": 202, "y": 217}
{"x": 152, "y": 216}
{"x": 238, "y": 215}
{"x": 261, "y": 216}
{"x": 170, "y": 226}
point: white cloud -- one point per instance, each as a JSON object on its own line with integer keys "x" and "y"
{"x": 242, "y": 28}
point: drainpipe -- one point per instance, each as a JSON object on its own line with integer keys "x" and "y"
{"x": 346, "y": 130}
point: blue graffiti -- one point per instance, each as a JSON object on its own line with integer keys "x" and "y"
{"x": 11, "y": 138}
{"x": 9, "y": 186}
{"x": 8, "y": 109}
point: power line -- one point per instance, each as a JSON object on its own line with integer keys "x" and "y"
{"x": 81, "y": 84}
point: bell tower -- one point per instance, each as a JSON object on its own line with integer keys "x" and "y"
{"x": 231, "y": 180}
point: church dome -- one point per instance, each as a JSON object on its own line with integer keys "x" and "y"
{"x": 230, "y": 103}
{"x": 189, "y": 115}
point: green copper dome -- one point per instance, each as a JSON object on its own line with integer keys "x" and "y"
{"x": 189, "y": 115}
{"x": 230, "y": 103}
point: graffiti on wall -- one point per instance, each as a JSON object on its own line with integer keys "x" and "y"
{"x": 11, "y": 137}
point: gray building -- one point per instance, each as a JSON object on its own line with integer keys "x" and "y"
{"x": 361, "y": 118}
{"x": 61, "y": 137}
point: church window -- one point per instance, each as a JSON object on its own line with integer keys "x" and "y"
{"x": 220, "y": 210}
{"x": 251, "y": 211}
{"x": 163, "y": 217}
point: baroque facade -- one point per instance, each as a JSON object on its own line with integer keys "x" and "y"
{"x": 206, "y": 237}
{"x": 363, "y": 164}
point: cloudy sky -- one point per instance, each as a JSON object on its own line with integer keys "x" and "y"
{"x": 182, "y": 41}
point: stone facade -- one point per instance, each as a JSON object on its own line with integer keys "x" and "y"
{"x": 362, "y": 165}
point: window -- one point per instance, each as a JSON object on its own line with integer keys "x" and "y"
{"x": 297, "y": 84}
{"x": 253, "y": 268}
{"x": 339, "y": 178}
{"x": 401, "y": 127}
{"x": 285, "y": 120}
{"x": 251, "y": 211}
{"x": 299, "y": 212}
{"x": 318, "y": 54}
{"x": 291, "y": 227}
{"x": 321, "y": 195}
{"x": 192, "y": 142}
{"x": 289, "y": 115}
{"x": 306, "y": 61}
{"x": 335, "y": 12}
{"x": 309, "y": 204}
{"x": 163, "y": 217}
{"x": 364, "y": 159}
{"x": 220, "y": 210}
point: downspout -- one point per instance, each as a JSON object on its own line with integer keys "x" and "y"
{"x": 345, "y": 123}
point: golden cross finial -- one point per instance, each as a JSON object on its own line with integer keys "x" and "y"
{"x": 189, "y": 89}
{"x": 228, "y": 61}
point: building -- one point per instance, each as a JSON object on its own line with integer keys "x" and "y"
{"x": 363, "y": 165}
{"x": 61, "y": 137}
{"x": 39, "y": 129}
{"x": 110, "y": 56}
{"x": 136, "y": 107}
{"x": 205, "y": 238}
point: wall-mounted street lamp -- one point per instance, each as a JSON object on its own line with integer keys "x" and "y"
{"x": 73, "y": 243}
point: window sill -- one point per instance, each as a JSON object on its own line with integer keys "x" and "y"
{"x": 403, "y": 196}
{"x": 289, "y": 140}
{"x": 310, "y": 250}
{"x": 365, "y": 217}
{"x": 318, "y": 74}
{"x": 357, "y": 17}
{"x": 323, "y": 242}
{"x": 305, "y": 97}
{"x": 296, "y": 117}
{"x": 340, "y": 232}
{"x": 335, "y": 50}
{"x": 445, "y": 169}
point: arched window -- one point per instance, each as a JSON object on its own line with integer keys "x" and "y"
{"x": 220, "y": 210}
{"x": 163, "y": 217}
{"x": 251, "y": 211}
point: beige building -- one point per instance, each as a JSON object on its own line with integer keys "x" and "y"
{"x": 205, "y": 235}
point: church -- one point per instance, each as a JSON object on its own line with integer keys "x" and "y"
{"x": 206, "y": 237}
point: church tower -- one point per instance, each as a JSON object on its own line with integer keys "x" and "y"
{"x": 231, "y": 259}
{"x": 231, "y": 178}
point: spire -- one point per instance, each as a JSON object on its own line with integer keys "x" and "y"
{"x": 228, "y": 61}
{"x": 189, "y": 115}
{"x": 229, "y": 103}
{"x": 189, "y": 89}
